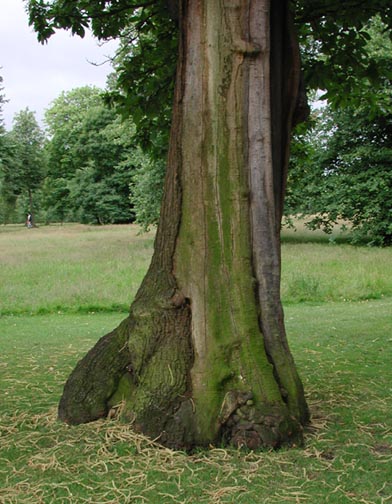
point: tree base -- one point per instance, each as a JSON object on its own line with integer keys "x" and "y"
{"x": 105, "y": 383}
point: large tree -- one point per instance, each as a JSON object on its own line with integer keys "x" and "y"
{"x": 203, "y": 355}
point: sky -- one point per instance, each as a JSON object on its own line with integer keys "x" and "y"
{"x": 35, "y": 74}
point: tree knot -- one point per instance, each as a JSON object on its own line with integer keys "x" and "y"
{"x": 232, "y": 401}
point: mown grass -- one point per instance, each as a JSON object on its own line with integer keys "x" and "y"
{"x": 342, "y": 349}
{"x": 342, "y": 354}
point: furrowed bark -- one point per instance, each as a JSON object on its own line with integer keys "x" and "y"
{"x": 274, "y": 80}
{"x": 203, "y": 356}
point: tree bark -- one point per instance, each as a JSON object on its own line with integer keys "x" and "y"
{"x": 203, "y": 356}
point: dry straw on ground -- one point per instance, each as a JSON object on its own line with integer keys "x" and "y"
{"x": 106, "y": 462}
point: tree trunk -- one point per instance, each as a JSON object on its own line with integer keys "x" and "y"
{"x": 30, "y": 194}
{"x": 203, "y": 356}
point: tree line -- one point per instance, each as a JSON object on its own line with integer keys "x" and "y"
{"x": 101, "y": 158}
{"x": 84, "y": 167}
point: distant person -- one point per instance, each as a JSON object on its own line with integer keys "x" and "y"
{"x": 29, "y": 221}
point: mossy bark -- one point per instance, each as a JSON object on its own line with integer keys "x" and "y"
{"x": 203, "y": 355}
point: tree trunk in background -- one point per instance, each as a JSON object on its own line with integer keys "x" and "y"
{"x": 31, "y": 207}
{"x": 203, "y": 356}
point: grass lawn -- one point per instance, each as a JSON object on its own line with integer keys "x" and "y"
{"x": 76, "y": 268}
{"x": 342, "y": 348}
{"x": 71, "y": 267}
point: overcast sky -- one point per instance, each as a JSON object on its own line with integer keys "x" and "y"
{"x": 35, "y": 74}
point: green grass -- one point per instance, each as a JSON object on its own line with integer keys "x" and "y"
{"x": 77, "y": 268}
{"x": 71, "y": 268}
{"x": 315, "y": 272}
{"x": 342, "y": 349}
{"x": 343, "y": 353}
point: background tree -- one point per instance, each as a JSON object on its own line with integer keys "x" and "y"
{"x": 2, "y": 101}
{"x": 8, "y": 197}
{"x": 203, "y": 355}
{"x": 341, "y": 167}
{"x": 99, "y": 188}
{"x": 92, "y": 155}
{"x": 146, "y": 191}
{"x": 64, "y": 120}
{"x": 25, "y": 166}
{"x": 347, "y": 177}
{"x": 3, "y": 150}
{"x": 92, "y": 160}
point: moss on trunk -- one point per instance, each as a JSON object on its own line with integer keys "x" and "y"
{"x": 203, "y": 356}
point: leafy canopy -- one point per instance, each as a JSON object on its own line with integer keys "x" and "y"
{"x": 332, "y": 35}
{"x": 341, "y": 160}
{"x": 91, "y": 159}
